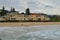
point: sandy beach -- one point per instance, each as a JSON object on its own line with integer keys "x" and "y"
{"x": 28, "y": 23}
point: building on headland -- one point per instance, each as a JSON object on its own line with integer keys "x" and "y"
{"x": 16, "y": 16}
{"x": 22, "y": 17}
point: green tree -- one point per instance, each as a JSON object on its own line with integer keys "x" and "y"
{"x": 12, "y": 10}
{"x": 27, "y": 11}
{"x": 22, "y": 13}
{"x": 3, "y": 9}
{"x": 3, "y": 12}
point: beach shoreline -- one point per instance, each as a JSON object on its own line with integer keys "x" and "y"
{"x": 28, "y": 23}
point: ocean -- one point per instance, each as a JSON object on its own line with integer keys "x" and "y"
{"x": 42, "y": 32}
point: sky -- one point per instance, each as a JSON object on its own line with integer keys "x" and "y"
{"x": 36, "y": 6}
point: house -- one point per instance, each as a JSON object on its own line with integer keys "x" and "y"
{"x": 13, "y": 15}
{"x": 38, "y": 16}
{"x": 22, "y": 17}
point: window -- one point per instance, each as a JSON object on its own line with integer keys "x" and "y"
{"x": 30, "y": 18}
{"x": 36, "y": 16}
{"x": 11, "y": 15}
{"x": 39, "y": 19}
{"x": 13, "y": 18}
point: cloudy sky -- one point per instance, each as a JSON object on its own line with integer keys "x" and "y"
{"x": 43, "y": 6}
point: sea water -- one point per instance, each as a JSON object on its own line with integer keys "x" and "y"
{"x": 43, "y": 32}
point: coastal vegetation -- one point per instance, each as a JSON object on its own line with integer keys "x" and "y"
{"x": 8, "y": 16}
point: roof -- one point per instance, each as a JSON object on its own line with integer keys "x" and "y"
{"x": 35, "y": 14}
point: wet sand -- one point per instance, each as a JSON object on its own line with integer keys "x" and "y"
{"x": 28, "y": 23}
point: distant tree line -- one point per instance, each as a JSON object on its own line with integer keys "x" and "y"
{"x": 55, "y": 18}
{"x": 3, "y": 11}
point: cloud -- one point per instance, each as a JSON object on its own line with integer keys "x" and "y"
{"x": 46, "y": 6}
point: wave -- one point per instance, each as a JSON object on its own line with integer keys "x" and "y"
{"x": 41, "y": 35}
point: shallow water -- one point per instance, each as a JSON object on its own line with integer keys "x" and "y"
{"x": 43, "y": 32}
{"x": 41, "y": 35}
